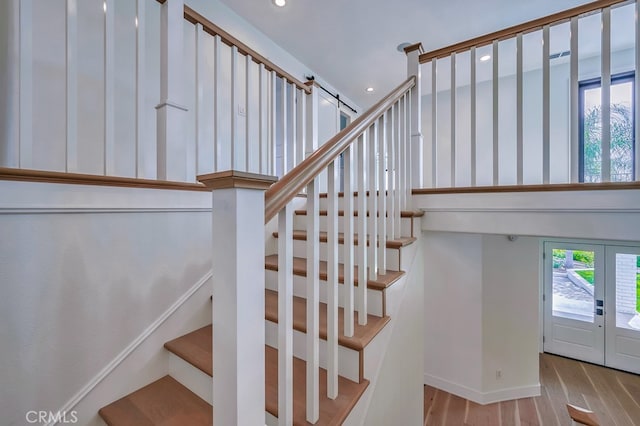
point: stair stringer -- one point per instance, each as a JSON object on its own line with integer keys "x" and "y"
{"x": 395, "y": 392}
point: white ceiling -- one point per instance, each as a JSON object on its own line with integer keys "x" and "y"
{"x": 352, "y": 43}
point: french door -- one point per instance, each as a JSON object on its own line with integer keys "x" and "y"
{"x": 592, "y": 303}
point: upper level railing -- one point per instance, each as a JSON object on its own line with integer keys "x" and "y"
{"x": 129, "y": 89}
{"x": 548, "y": 101}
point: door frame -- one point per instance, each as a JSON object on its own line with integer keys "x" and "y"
{"x": 633, "y": 245}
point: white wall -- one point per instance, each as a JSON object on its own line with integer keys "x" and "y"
{"x": 84, "y": 271}
{"x": 453, "y": 311}
{"x": 481, "y": 315}
{"x": 510, "y": 301}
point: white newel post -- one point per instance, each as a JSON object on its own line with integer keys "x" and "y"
{"x": 238, "y": 296}
{"x": 416, "y": 148}
{"x": 171, "y": 112}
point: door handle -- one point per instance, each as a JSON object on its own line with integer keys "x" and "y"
{"x": 599, "y": 311}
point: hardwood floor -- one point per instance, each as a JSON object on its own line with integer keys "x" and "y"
{"x": 613, "y": 395}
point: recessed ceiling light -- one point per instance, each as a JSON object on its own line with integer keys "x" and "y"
{"x": 485, "y": 58}
{"x": 280, "y": 3}
{"x": 369, "y": 89}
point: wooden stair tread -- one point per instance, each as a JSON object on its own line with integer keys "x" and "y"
{"x": 164, "y": 402}
{"x": 195, "y": 348}
{"x": 392, "y": 244}
{"x": 403, "y": 213}
{"x": 332, "y": 412}
{"x": 362, "y": 334}
{"x": 300, "y": 269}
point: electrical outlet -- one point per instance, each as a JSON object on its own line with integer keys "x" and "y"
{"x": 498, "y": 374}
{"x": 242, "y": 111}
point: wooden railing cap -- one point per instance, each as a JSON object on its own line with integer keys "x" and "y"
{"x": 413, "y": 47}
{"x": 236, "y": 179}
{"x": 513, "y": 31}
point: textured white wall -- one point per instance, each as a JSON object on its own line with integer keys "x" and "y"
{"x": 84, "y": 271}
{"x": 453, "y": 312}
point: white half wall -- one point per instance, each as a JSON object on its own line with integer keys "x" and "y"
{"x": 84, "y": 272}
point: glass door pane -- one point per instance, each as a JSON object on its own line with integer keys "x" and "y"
{"x": 573, "y": 284}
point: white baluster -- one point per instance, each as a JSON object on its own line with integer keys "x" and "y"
{"x": 285, "y": 133}
{"x": 408, "y": 151}
{"x": 605, "y": 94}
{"x": 141, "y": 116}
{"x": 248, "y": 113}
{"x": 332, "y": 281}
{"x": 495, "y": 87}
{"x": 546, "y": 129}
{"x": 453, "y": 121}
{"x": 434, "y": 123}
{"x": 301, "y": 125}
{"x": 396, "y": 170}
{"x": 362, "y": 230}
{"x": 201, "y": 118}
{"x": 313, "y": 301}
{"x": 472, "y": 106}
{"x": 217, "y": 107}
{"x": 263, "y": 125}
{"x": 382, "y": 204}
{"x": 72, "y": 83}
{"x": 372, "y": 201}
{"x": 285, "y": 316}
{"x": 574, "y": 83}
{"x": 25, "y": 158}
{"x": 235, "y": 98}
{"x": 348, "y": 243}
{"x": 519, "y": 115}
{"x": 273, "y": 125}
{"x": 402, "y": 174}
{"x": 391, "y": 172}
{"x": 292, "y": 130}
{"x": 109, "y": 88}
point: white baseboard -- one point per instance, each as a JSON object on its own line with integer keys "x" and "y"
{"x": 479, "y": 397}
{"x": 137, "y": 342}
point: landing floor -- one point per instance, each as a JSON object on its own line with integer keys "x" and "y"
{"x": 612, "y": 394}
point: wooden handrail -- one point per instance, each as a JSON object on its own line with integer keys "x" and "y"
{"x": 299, "y": 177}
{"x": 527, "y": 27}
{"x": 553, "y": 187}
{"x": 211, "y": 28}
{"x": 27, "y": 175}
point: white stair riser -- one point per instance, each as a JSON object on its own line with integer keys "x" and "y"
{"x": 194, "y": 379}
{"x": 348, "y": 359}
{"x": 374, "y": 297}
{"x": 300, "y": 222}
{"x": 300, "y": 250}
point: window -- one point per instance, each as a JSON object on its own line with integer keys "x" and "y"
{"x": 622, "y": 129}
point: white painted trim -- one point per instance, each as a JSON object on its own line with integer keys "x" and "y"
{"x": 109, "y": 368}
{"x": 530, "y": 210}
{"x": 479, "y": 397}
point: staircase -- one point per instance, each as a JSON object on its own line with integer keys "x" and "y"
{"x": 184, "y": 397}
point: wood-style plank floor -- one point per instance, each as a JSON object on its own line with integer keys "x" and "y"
{"x": 613, "y": 395}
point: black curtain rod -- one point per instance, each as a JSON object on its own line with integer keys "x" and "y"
{"x": 336, "y": 96}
